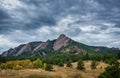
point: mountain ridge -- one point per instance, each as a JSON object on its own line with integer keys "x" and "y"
{"x": 61, "y": 44}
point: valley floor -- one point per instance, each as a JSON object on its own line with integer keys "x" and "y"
{"x": 60, "y": 72}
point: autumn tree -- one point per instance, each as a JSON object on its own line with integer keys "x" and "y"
{"x": 37, "y": 63}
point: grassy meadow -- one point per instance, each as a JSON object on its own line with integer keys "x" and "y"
{"x": 59, "y": 72}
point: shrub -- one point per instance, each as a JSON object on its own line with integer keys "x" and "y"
{"x": 49, "y": 67}
{"x": 26, "y": 63}
{"x": 61, "y": 64}
{"x": 44, "y": 66}
{"x": 9, "y": 65}
{"x": 2, "y": 66}
{"x": 93, "y": 64}
{"x": 80, "y": 65}
{"x": 17, "y": 67}
{"x": 69, "y": 64}
{"x": 37, "y": 63}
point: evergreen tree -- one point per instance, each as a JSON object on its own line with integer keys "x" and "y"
{"x": 93, "y": 64}
{"x": 69, "y": 64}
{"x": 49, "y": 67}
{"x": 80, "y": 65}
{"x": 2, "y": 59}
{"x": 112, "y": 71}
{"x": 61, "y": 64}
{"x": 118, "y": 55}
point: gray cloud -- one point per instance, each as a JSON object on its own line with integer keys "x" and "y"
{"x": 94, "y": 22}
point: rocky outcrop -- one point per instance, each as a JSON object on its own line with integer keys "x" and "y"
{"x": 25, "y": 49}
{"x": 41, "y": 46}
{"x": 61, "y": 41}
{"x": 9, "y": 52}
{"x": 21, "y": 49}
{"x": 12, "y": 51}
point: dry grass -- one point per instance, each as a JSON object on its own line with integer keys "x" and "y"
{"x": 60, "y": 72}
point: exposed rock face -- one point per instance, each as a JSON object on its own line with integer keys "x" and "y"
{"x": 21, "y": 49}
{"x": 12, "y": 51}
{"x": 41, "y": 46}
{"x": 25, "y": 49}
{"x": 60, "y": 42}
{"x": 9, "y": 52}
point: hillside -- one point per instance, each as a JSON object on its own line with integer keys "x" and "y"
{"x": 61, "y": 44}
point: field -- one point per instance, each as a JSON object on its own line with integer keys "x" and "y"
{"x": 60, "y": 72}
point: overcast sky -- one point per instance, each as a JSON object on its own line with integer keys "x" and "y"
{"x": 92, "y": 22}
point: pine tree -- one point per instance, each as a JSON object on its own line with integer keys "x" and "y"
{"x": 69, "y": 64}
{"x": 80, "y": 65}
{"x": 49, "y": 67}
{"x": 93, "y": 64}
{"x": 61, "y": 64}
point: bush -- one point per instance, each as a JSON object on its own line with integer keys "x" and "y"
{"x": 93, "y": 64}
{"x": 61, "y": 64}
{"x": 44, "y": 66}
{"x": 37, "y": 63}
{"x": 26, "y": 63}
{"x": 9, "y": 65}
{"x": 80, "y": 65}
{"x": 17, "y": 67}
{"x": 69, "y": 64}
{"x": 49, "y": 67}
{"x": 2, "y": 66}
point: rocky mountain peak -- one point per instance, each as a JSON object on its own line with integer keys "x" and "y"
{"x": 61, "y": 41}
{"x": 61, "y": 36}
{"x": 47, "y": 41}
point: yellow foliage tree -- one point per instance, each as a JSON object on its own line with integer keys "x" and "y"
{"x": 17, "y": 67}
{"x": 44, "y": 66}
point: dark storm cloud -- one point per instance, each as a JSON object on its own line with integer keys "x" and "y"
{"x": 3, "y": 15}
{"x": 22, "y": 21}
{"x": 23, "y": 18}
{"x": 110, "y": 3}
{"x": 117, "y": 25}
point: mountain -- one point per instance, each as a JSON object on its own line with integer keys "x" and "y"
{"x": 61, "y": 44}
{"x": 112, "y": 50}
{"x": 22, "y": 49}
